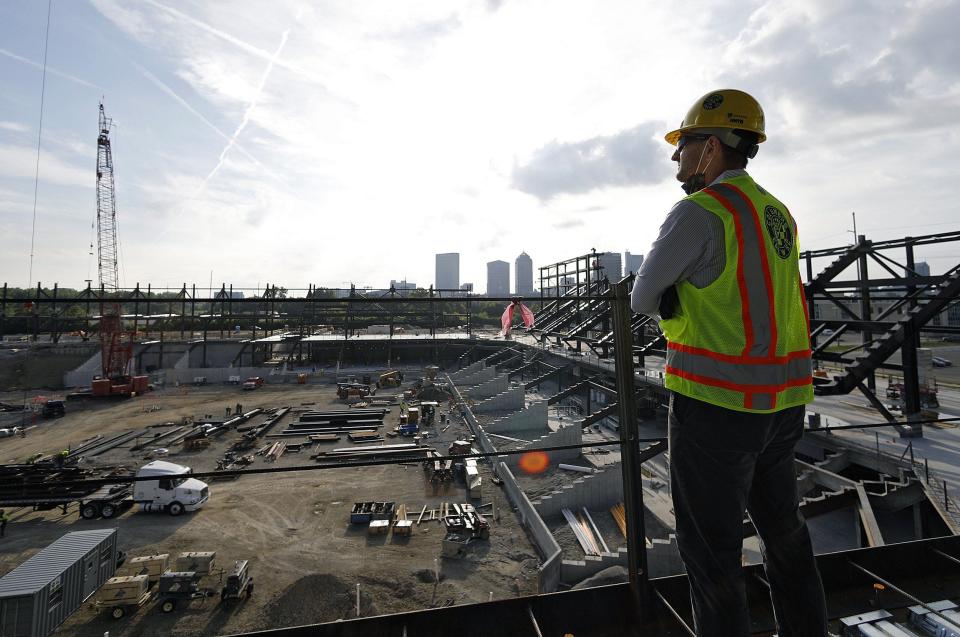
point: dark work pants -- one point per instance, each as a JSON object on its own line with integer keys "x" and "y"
{"x": 725, "y": 462}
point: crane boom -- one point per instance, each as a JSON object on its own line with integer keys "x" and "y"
{"x": 116, "y": 346}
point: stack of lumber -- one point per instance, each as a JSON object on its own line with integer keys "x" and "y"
{"x": 586, "y": 532}
{"x": 275, "y": 451}
{"x": 620, "y": 516}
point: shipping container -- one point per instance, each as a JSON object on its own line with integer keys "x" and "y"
{"x": 41, "y": 593}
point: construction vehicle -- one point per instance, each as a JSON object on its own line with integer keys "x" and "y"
{"x": 116, "y": 345}
{"x": 346, "y": 391}
{"x": 239, "y": 582}
{"x": 53, "y": 409}
{"x": 464, "y": 525}
{"x": 180, "y": 588}
{"x": 393, "y": 378}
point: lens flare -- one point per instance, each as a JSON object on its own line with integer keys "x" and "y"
{"x": 534, "y": 462}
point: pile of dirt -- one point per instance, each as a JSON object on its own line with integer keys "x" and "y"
{"x": 317, "y": 598}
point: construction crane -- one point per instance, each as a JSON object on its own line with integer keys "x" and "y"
{"x": 116, "y": 346}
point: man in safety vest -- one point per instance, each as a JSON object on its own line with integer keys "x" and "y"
{"x": 724, "y": 278}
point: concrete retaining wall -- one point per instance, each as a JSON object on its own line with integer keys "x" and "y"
{"x": 543, "y": 540}
{"x": 481, "y": 376}
{"x": 532, "y": 418}
{"x": 569, "y": 435}
{"x": 496, "y": 385}
{"x": 510, "y": 400}
{"x": 466, "y": 371}
{"x": 598, "y": 491}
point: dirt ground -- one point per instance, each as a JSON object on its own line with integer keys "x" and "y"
{"x": 294, "y": 527}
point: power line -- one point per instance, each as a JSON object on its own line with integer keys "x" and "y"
{"x": 36, "y": 178}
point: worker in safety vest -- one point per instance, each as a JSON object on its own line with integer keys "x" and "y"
{"x": 723, "y": 276}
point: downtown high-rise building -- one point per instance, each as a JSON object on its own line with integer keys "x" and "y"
{"x": 447, "y": 271}
{"x": 611, "y": 266}
{"x": 523, "y": 275}
{"x": 498, "y": 278}
{"x": 631, "y": 262}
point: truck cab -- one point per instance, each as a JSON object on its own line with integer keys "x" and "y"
{"x": 173, "y": 490}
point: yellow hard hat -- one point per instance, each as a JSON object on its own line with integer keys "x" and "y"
{"x": 726, "y": 110}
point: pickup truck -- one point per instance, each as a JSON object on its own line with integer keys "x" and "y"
{"x": 253, "y": 383}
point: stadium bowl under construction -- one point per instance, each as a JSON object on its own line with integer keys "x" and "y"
{"x": 339, "y": 462}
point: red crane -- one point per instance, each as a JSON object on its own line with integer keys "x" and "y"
{"x": 116, "y": 346}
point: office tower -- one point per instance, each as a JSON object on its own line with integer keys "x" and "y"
{"x": 498, "y": 278}
{"x": 610, "y": 264}
{"x": 523, "y": 273}
{"x": 448, "y": 271}
{"x": 631, "y": 262}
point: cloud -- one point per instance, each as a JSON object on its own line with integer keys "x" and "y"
{"x": 21, "y": 161}
{"x": 16, "y": 127}
{"x": 628, "y": 158}
{"x": 568, "y": 223}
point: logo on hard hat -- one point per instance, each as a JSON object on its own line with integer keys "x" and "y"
{"x": 779, "y": 230}
{"x": 712, "y": 101}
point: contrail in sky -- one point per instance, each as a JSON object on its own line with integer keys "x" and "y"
{"x": 249, "y": 111}
{"x": 182, "y": 102}
{"x": 52, "y": 71}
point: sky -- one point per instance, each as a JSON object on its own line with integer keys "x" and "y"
{"x": 331, "y": 143}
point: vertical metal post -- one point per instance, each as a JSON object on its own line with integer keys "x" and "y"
{"x": 630, "y": 446}
{"x": 908, "y": 352}
{"x": 864, "y": 283}
{"x": 3, "y": 312}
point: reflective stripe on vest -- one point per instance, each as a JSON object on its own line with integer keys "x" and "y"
{"x": 756, "y": 372}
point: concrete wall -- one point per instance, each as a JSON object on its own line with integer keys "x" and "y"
{"x": 510, "y": 400}
{"x": 467, "y": 371}
{"x": 532, "y": 418}
{"x": 543, "y": 540}
{"x": 569, "y": 435}
{"x": 490, "y": 388}
{"x": 598, "y": 491}
{"x": 480, "y": 376}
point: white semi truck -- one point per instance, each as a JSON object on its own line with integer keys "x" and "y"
{"x": 174, "y": 491}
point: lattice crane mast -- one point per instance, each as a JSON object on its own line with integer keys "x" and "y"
{"x": 116, "y": 346}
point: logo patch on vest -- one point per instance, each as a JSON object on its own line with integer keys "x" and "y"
{"x": 779, "y": 230}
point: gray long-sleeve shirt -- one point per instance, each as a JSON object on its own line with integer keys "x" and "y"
{"x": 690, "y": 247}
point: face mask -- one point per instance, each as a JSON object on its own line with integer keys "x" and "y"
{"x": 698, "y": 180}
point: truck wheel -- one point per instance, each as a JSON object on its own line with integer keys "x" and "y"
{"x": 168, "y": 606}
{"x": 250, "y": 591}
{"x": 88, "y": 511}
{"x": 175, "y": 508}
{"x": 485, "y": 534}
{"x": 108, "y": 511}
{"x": 118, "y": 612}
{"x": 223, "y": 595}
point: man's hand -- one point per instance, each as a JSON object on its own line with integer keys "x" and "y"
{"x": 669, "y": 303}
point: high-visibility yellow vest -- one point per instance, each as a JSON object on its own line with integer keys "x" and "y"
{"x": 743, "y": 342}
